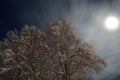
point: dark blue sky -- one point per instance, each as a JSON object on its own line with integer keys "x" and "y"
{"x": 16, "y": 13}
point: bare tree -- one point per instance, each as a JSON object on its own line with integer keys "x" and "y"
{"x": 55, "y": 53}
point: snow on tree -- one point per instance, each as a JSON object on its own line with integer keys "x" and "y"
{"x": 55, "y": 53}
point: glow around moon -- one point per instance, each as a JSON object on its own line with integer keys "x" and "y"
{"x": 111, "y": 23}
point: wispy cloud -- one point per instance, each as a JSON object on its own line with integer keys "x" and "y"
{"x": 88, "y": 19}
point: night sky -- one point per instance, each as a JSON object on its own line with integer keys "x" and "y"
{"x": 17, "y": 13}
{"x": 86, "y": 16}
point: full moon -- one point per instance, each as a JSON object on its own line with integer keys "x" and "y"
{"x": 111, "y": 23}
